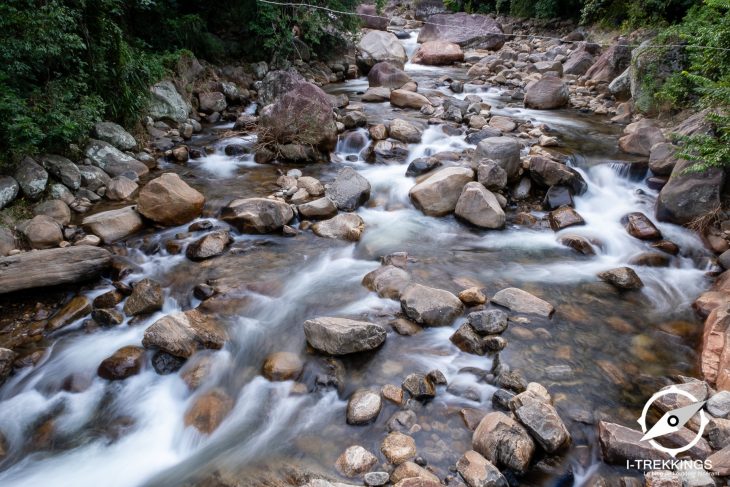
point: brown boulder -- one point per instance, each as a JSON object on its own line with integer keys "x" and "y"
{"x": 503, "y": 442}
{"x": 387, "y": 75}
{"x": 408, "y": 99}
{"x": 168, "y": 200}
{"x": 611, "y": 63}
{"x": 257, "y": 215}
{"x": 125, "y": 362}
{"x": 548, "y": 93}
{"x": 640, "y": 137}
{"x": 438, "y": 53}
{"x": 183, "y": 333}
{"x": 638, "y": 225}
{"x": 620, "y": 444}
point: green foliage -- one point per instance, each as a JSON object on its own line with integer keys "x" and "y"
{"x": 711, "y": 150}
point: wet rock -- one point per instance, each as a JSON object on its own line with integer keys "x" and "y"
{"x": 578, "y": 243}
{"x": 619, "y": 444}
{"x": 411, "y": 470}
{"x": 689, "y": 195}
{"x": 168, "y": 200}
{"x": 548, "y": 93}
{"x": 488, "y": 322}
{"x": 183, "y": 333}
{"x": 466, "y": 30}
{"x": 542, "y": 421}
{"x": 398, "y": 448}
{"x": 208, "y": 411}
{"x": 52, "y": 267}
{"x": 113, "y": 161}
{"x": 354, "y": 119}
{"x": 468, "y": 340}
{"x": 167, "y": 103}
{"x": 662, "y": 159}
{"x": 124, "y": 363}
{"x": 32, "y": 178}
{"x": 477, "y": 471}
{"x": 349, "y": 190}
{"x": 114, "y": 225}
{"x": 388, "y": 151}
{"x": 623, "y": 278}
{"x": 281, "y": 366}
{"x": 438, "y": 53}
{"x": 146, "y": 298}
{"x": 429, "y": 306}
{"x": 503, "y": 442}
{"x": 502, "y": 398}
{"x": 345, "y": 226}
{"x": 341, "y": 336}
{"x": 419, "y": 387}
{"x": 480, "y": 207}
{"x": 650, "y": 259}
{"x": 377, "y": 46}
{"x": 402, "y": 420}
{"x": 165, "y": 364}
{"x": 714, "y": 361}
{"x": 257, "y": 215}
{"x": 473, "y": 296}
{"x": 438, "y": 194}
{"x": 363, "y": 407}
{"x": 120, "y": 188}
{"x": 408, "y": 99}
{"x": 422, "y": 165}
{"x": 43, "y": 232}
{"x": 387, "y": 75}
{"x": 639, "y": 226}
{"x": 405, "y": 327}
{"x": 491, "y": 175}
{"x": 405, "y": 131}
{"x": 355, "y": 461}
{"x": 505, "y": 151}
{"x": 564, "y": 217}
{"x": 108, "y": 300}
{"x": 210, "y": 245}
{"x": 107, "y": 317}
{"x": 558, "y": 196}
{"x": 319, "y": 208}
{"x": 56, "y": 209}
{"x": 387, "y": 281}
{"x": 76, "y": 308}
{"x": 521, "y": 301}
{"x": 63, "y": 169}
{"x": 640, "y": 137}
{"x": 503, "y": 124}
{"x": 549, "y": 173}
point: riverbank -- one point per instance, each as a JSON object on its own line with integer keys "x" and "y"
{"x": 464, "y": 192}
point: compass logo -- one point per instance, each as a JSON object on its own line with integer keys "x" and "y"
{"x": 673, "y": 421}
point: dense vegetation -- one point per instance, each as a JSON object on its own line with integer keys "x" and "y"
{"x": 65, "y": 64}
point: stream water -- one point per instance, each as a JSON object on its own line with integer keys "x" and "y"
{"x": 601, "y": 355}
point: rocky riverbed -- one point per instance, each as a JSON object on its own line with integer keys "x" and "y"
{"x": 452, "y": 258}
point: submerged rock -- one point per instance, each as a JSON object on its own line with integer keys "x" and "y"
{"x": 208, "y": 411}
{"x": 282, "y": 366}
{"x": 398, "y": 448}
{"x": 521, "y": 301}
{"x": 387, "y": 281}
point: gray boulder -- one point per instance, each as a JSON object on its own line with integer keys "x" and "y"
{"x": 277, "y": 83}
{"x": 349, "y": 190}
{"x": 505, "y": 151}
{"x": 345, "y": 226}
{"x": 387, "y": 75}
{"x": 9, "y": 188}
{"x": 115, "y": 135}
{"x": 257, "y": 215}
{"x": 113, "y": 161}
{"x": 649, "y": 68}
{"x": 63, "y": 169}
{"x": 430, "y": 306}
{"x": 689, "y": 195}
{"x": 548, "y": 93}
{"x": 480, "y": 207}
{"x": 93, "y": 178}
{"x": 32, "y": 178}
{"x": 377, "y": 46}
{"x": 520, "y": 301}
{"x": 341, "y": 336}
{"x": 439, "y": 193}
{"x": 466, "y": 30}
{"x": 167, "y": 104}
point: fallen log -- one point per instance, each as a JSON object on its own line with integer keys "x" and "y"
{"x": 43, "y": 268}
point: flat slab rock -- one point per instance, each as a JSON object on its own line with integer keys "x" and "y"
{"x": 520, "y": 301}
{"x": 342, "y": 336}
{"x": 620, "y": 443}
{"x": 52, "y": 267}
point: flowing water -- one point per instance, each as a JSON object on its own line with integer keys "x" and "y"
{"x": 601, "y": 355}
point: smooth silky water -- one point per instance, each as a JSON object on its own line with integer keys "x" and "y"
{"x": 620, "y": 347}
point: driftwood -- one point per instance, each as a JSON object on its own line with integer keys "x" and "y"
{"x": 42, "y": 268}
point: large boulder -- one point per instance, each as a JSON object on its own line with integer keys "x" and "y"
{"x": 387, "y": 75}
{"x": 277, "y": 83}
{"x": 168, "y": 200}
{"x": 52, "y": 267}
{"x": 42, "y": 232}
{"x": 376, "y": 46}
{"x": 115, "y": 135}
{"x": 408, "y": 99}
{"x": 166, "y": 103}
{"x": 662, "y": 158}
{"x": 341, "y": 336}
{"x": 301, "y": 117}
{"x": 480, "y": 207}
{"x": 438, "y": 194}
{"x": 183, "y": 333}
{"x": 63, "y": 169}
{"x": 547, "y": 93}
{"x": 466, "y": 30}
{"x": 113, "y": 225}
{"x": 370, "y": 18}
{"x": 430, "y": 306}
{"x": 349, "y": 190}
{"x": 32, "y": 178}
{"x": 611, "y": 63}
{"x": 257, "y": 215}
{"x": 503, "y": 441}
{"x": 93, "y": 178}
{"x": 689, "y": 195}
{"x": 387, "y": 281}
{"x": 649, "y": 68}
{"x": 9, "y": 188}
{"x": 505, "y": 151}
{"x": 639, "y": 137}
{"x": 547, "y": 173}
{"x": 438, "y": 53}
{"x": 113, "y": 161}
{"x": 578, "y": 63}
